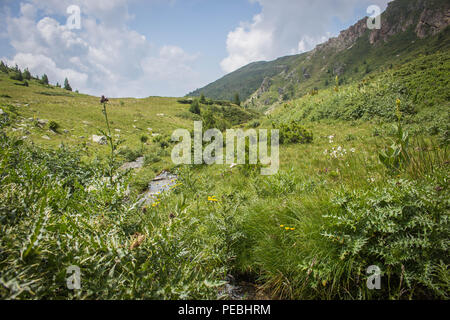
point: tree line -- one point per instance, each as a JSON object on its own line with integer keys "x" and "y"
{"x": 25, "y": 76}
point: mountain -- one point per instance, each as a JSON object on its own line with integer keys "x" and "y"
{"x": 409, "y": 28}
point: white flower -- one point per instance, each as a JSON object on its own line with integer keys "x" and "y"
{"x": 352, "y": 150}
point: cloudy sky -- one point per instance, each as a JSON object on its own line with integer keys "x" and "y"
{"x": 140, "y": 48}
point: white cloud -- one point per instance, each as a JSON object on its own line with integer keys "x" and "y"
{"x": 287, "y": 27}
{"x": 103, "y": 57}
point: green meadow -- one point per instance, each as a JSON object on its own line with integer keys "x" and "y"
{"x": 363, "y": 181}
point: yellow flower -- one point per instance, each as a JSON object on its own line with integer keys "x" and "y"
{"x": 213, "y": 199}
{"x": 324, "y": 283}
{"x": 282, "y": 226}
{"x": 287, "y": 228}
{"x": 292, "y": 229}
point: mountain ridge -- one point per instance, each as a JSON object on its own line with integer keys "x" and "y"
{"x": 265, "y": 83}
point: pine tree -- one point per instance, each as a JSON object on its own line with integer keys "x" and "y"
{"x": 27, "y": 74}
{"x": 195, "y": 107}
{"x": 44, "y": 79}
{"x": 3, "y": 67}
{"x": 67, "y": 85}
{"x": 237, "y": 100}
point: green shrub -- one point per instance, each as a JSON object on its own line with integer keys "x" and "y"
{"x": 129, "y": 154}
{"x": 54, "y": 126}
{"x": 293, "y": 132}
{"x": 195, "y": 107}
{"x": 403, "y": 228}
{"x": 16, "y": 76}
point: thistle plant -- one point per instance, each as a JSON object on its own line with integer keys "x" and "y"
{"x": 113, "y": 145}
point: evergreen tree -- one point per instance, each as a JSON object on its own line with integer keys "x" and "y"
{"x": 237, "y": 100}
{"x": 3, "y": 67}
{"x": 202, "y": 99}
{"x": 195, "y": 107}
{"x": 44, "y": 79}
{"x": 27, "y": 74}
{"x": 67, "y": 85}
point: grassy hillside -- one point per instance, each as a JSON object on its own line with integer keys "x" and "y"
{"x": 294, "y": 76}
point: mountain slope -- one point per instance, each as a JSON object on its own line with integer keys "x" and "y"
{"x": 406, "y": 28}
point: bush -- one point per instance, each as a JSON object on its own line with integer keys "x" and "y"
{"x": 293, "y": 132}
{"x": 54, "y": 126}
{"x": 129, "y": 154}
{"x": 195, "y": 107}
{"x": 27, "y": 74}
{"x": 403, "y": 228}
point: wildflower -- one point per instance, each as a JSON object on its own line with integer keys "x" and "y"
{"x": 352, "y": 150}
{"x": 331, "y": 138}
{"x": 104, "y": 100}
{"x": 287, "y": 228}
{"x": 292, "y": 229}
{"x": 282, "y": 226}
{"x": 213, "y": 199}
{"x": 324, "y": 283}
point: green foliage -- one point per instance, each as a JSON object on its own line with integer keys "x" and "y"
{"x": 129, "y": 154}
{"x": 202, "y": 99}
{"x": 195, "y": 107}
{"x": 44, "y": 80}
{"x": 27, "y": 74}
{"x": 402, "y": 227}
{"x": 17, "y": 75}
{"x": 3, "y": 67}
{"x": 293, "y": 132}
{"x": 54, "y": 126}
{"x": 67, "y": 85}
{"x": 56, "y": 212}
{"x": 237, "y": 100}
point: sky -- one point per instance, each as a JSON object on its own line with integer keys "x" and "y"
{"x": 141, "y": 48}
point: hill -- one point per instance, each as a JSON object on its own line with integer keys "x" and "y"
{"x": 408, "y": 28}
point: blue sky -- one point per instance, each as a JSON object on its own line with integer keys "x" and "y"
{"x": 163, "y": 47}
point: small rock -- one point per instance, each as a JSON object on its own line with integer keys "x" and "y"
{"x": 42, "y": 122}
{"x": 46, "y": 137}
{"x": 101, "y": 140}
{"x": 1, "y": 111}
